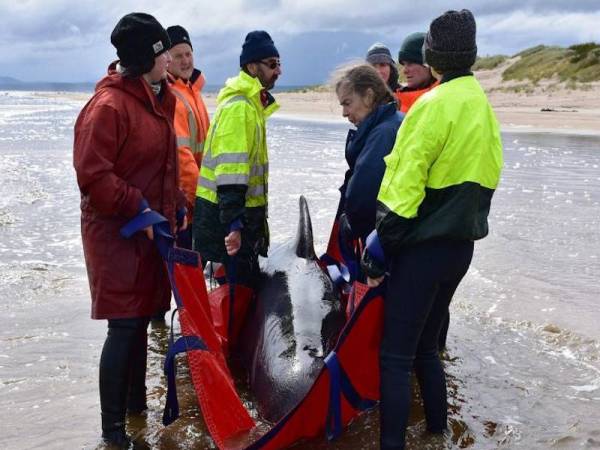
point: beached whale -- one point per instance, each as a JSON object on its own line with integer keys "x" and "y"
{"x": 295, "y": 323}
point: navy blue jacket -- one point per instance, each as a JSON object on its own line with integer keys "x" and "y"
{"x": 365, "y": 148}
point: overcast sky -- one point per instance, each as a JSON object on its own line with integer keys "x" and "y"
{"x": 60, "y": 40}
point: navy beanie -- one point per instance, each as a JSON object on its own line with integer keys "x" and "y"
{"x": 179, "y": 35}
{"x": 450, "y": 43}
{"x": 139, "y": 38}
{"x": 258, "y": 45}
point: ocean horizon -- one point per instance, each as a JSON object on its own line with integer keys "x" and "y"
{"x": 9, "y": 84}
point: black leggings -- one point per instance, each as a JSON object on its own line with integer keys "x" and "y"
{"x": 123, "y": 370}
{"x": 422, "y": 281}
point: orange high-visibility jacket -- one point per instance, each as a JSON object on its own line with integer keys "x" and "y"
{"x": 191, "y": 124}
{"x": 407, "y": 97}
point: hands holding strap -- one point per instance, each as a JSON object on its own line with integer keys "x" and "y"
{"x": 373, "y": 261}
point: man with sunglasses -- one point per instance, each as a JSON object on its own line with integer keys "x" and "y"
{"x": 230, "y": 216}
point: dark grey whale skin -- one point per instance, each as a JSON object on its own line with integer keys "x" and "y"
{"x": 295, "y": 322}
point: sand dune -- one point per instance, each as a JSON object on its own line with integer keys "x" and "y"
{"x": 520, "y": 106}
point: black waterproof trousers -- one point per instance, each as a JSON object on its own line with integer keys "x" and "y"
{"x": 422, "y": 281}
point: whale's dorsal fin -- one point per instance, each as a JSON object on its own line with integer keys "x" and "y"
{"x": 304, "y": 237}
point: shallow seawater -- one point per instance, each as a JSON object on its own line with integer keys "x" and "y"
{"x": 523, "y": 361}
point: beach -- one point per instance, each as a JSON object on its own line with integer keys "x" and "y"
{"x": 567, "y": 111}
{"x": 547, "y": 107}
{"x": 524, "y": 345}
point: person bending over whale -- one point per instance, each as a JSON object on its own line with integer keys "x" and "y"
{"x": 369, "y": 105}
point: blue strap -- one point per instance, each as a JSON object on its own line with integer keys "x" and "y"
{"x": 359, "y": 403}
{"x": 339, "y": 383}
{"x": 340, "y": 276}
{"x": 374, "y": 247}
{"x": 333, "y": 424}
{"x": 141, "y": 221}
{"x": 184, "y": 343}
{"x": 160, "y": 225}
{"x": 350, "y": 260}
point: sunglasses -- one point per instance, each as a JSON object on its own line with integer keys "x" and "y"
{"x": 271, "y": 64}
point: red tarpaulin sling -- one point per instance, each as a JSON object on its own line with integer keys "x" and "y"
{"x": 223, "y": 411}
{"x": 347, "y": 384}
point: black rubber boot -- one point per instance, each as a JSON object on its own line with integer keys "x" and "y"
{"x": 136, "y": 402}
{"x": 115, "y": 366}
{"x": 116, "y": 439}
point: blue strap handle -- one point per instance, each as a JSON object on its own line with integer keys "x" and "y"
{"x": 160, "y": 225}
{"x": 141, "y": 221}
{"x": 374, "y": 247}
{"x": 340, "y": 277}
{"x": 184, "y": 343}
{"x": 339, "y": 383}
{"x": 349, "y": 260}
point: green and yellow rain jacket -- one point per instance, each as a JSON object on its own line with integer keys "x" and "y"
{"x": 233, "y": 181}
{"x": 442, "y": 172}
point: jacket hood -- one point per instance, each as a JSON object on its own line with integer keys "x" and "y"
{"x": 243, "y": 84}
{"x": 250, "y": 88}
{"x": 138, "y": 88}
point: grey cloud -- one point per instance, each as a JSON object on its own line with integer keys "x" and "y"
{"x": 72, "y": 38}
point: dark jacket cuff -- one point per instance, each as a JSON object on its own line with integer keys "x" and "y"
{"x": 236, "y": 225}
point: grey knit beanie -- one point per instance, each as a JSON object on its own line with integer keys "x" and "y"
{"x": 450, "y": 43}
{"x": 378, "y": 53}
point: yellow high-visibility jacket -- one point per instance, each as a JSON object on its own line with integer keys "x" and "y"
{"x": 443, "y": 169}
{"x": 233, "y": 182}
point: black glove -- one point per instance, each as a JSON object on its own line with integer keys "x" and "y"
{"x": 345, "y": 234}
{"x": 373, "y": 259}
{"x": 370, "y": 266}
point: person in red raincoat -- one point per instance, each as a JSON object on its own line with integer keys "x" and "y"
{"x": 125, "y": 158}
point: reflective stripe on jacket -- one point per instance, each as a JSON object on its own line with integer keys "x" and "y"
{"x": 191, "y": 125}
{"x": 235, "y": 152}
{"x": 443, "y": 169}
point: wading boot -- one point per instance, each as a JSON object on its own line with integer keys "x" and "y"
{"x": 114, "y": 380}
{"x": 136, "y": 401}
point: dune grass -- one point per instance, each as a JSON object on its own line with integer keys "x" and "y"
{"x": 578, "y": 63}
{"x": 489, "y": 62}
